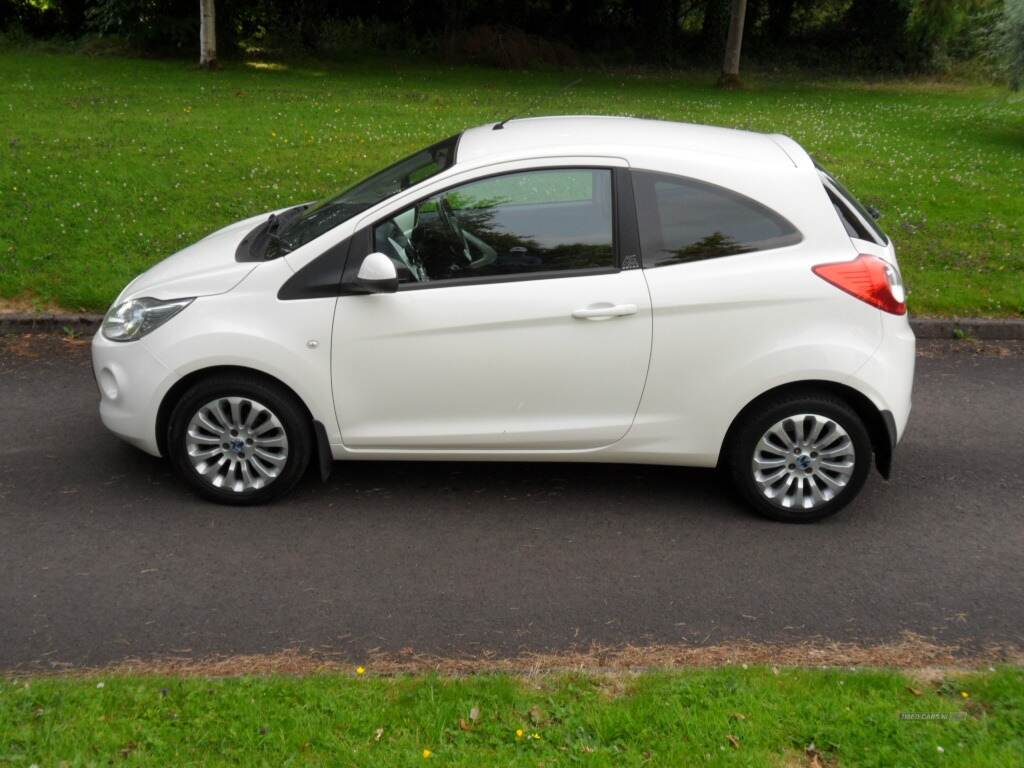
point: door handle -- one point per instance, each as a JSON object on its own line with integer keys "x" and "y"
{"x": 604, "y": 311}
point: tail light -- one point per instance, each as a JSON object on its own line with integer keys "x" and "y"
{"x": 869, "y": 279}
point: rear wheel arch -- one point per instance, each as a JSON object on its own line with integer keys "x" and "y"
{"x": 880, "y": 425}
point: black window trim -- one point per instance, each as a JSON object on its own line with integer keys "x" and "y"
{"x": 648, "y": 259}
{"x": 848, "y": 217}
{"x": 362, "y": 241}
{"x": 864, "y": 228}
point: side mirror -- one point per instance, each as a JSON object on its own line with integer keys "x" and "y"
{"x": 377, "y": 274}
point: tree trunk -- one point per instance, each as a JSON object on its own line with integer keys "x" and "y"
{"x": 731, "y": 66}
{"x": 207, "y": 35}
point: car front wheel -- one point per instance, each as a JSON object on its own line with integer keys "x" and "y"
{"x": 239, "y": 440}
{"x": 801, "y": 458}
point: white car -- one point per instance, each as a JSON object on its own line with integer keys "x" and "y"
{"x": 547, "y": 289}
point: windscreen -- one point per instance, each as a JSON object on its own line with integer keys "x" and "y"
{"x": 328, "y": 214}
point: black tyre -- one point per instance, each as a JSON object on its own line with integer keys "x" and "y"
{"x": 239, "y": 439}
{"x": 800, "y": 457}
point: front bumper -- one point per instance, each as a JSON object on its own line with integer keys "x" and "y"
{"x": 132, "y": 383}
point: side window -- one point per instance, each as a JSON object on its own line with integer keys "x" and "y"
{"x": 516, "y": 223}
{"x": 685, "y": 220}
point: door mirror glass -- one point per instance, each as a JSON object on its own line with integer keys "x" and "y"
{"x": 377, "y": 274}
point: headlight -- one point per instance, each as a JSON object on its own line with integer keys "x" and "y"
{"x": 133, "y": 319}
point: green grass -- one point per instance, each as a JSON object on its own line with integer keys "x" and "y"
{"x": 109, "y": 164}
{"x": 725, "y": 716}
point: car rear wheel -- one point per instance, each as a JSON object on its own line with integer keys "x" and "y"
{"x": 238, "y": 440}
{"x": 800, "y": 458}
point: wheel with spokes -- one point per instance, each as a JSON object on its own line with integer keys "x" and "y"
{"x": 801, "y": 458}
{"x": 238, "y": 440}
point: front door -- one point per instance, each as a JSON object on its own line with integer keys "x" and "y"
{"x": 513, "y": 329}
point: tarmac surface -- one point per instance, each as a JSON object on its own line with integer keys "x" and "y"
{"x": 104, "y": 556}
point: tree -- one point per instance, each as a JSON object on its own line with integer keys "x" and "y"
{"x": 712, "y": 28}
{"x": 1008, "y": 42}
{"x": 207, "y": 35}
{"x": 931, "y": 26}
{"x": 731, "y": 66}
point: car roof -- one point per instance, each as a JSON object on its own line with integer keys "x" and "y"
{"x": 537, "y": 136}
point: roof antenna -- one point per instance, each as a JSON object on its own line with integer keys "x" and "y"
{"x": 500, "y": 126}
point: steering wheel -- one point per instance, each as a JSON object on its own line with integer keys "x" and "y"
{"x": 391, "y": 240}
{"x": 451, "y": 221}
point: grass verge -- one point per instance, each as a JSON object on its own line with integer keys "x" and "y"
{"x": 757, "y": 716}
{"x": 109, "y": 164}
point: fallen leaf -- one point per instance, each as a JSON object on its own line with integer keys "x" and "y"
{"x": 733, "y": 740}
{"x": 914, "y": 691}
{"x": 474, "y": 714}
{"x": 738, "y": 716}
{"x": 377, "y": 734}
{"x": 463, "y": 725}
{"x": 536, "y": 714}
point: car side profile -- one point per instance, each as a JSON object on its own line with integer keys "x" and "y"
{"x": 546, "y": 289}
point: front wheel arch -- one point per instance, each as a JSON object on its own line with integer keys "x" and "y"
{"x": 880, "y": 424}
{"x": 182, "y": 385}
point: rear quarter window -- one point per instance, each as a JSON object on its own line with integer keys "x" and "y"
{"x": 683, "y": 220}
{"x": 867, "y": 228}
{"x": 852, "y": 225}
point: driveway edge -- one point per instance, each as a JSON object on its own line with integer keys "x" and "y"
{"x": 989, "y": 329}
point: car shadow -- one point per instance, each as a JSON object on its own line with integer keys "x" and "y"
{"x": 541, "y": 485}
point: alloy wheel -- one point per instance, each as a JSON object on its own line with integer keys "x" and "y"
{"x": 803, "y": 462}
{"x": 237, "y": 444}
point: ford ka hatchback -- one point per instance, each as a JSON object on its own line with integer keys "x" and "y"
{"x": 548, "y": 289}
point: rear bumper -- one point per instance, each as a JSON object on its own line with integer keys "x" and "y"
{"x": 889, "y": 379}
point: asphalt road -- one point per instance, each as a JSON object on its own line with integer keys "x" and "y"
{"x": 104, "y": 556}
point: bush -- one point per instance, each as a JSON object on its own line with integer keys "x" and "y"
{"x": 511, "y": 48}
{"x": 152, "y": 25}
{"x": 342, "y": 38}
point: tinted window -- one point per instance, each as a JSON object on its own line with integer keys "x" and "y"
{"x": 876, "y": 232}
{"x": 517, "y": 223}
{"x": 850, "y": 222}
{"x": 686, "y": 220}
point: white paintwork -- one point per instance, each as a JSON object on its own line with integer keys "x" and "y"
{"x": 377, "y": 266}
{"x": 639, "y": 365}
{"x": 553, "y": 136}
{"x": 502, "y": 366}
